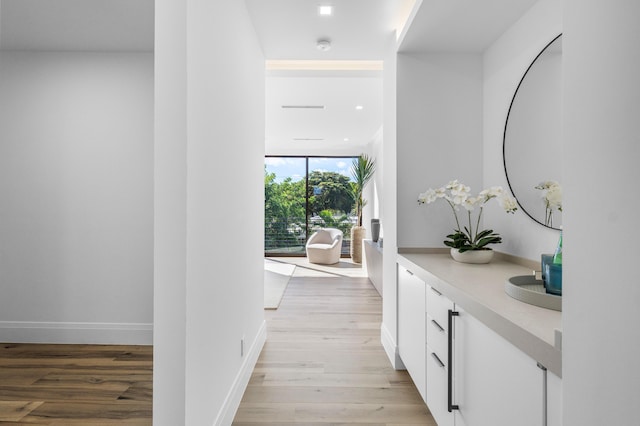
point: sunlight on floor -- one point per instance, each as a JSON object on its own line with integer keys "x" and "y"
{"x": 344, "y": 268}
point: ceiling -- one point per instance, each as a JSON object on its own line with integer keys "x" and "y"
{"x": 359, "y": 31}
{"x": 85, "y": 25}
{"x": 461, "y": 25}
{"x": 333, "y": 125}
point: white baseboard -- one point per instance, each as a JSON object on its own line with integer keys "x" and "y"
{"x": 232, "y": 402}
{"x": 76, "y": 333}
{"x": 391, "y": 348}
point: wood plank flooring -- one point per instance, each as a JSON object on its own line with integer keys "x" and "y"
{"x": 323, "y": 362}
{"x": 75, "y": 385}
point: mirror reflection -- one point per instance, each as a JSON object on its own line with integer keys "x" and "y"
{"x": 532, "y": 145}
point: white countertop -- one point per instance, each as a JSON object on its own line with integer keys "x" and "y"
{"x": 479, "y": 290}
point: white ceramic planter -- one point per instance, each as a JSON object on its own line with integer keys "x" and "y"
{"x": 472, "y": 256}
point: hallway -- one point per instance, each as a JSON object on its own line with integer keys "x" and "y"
{"x": 323, "y": 362}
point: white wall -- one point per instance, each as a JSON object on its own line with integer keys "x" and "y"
{"x": 601, "y": 345}
{"x": 170, "y": 214}
{"x": 370, "y": 210}
{"x": 377, "y": 183}
{"x": 425, "y": 145}
{"x": 76, "y": 179}
{"x": 439, "y": 139}
{"x": 388, "y": 213}
{"x": 451, "y": 113}
{"x": 505, "y": 62}
{"x": 601, "y": 63}
{"x": 209, "y": 200}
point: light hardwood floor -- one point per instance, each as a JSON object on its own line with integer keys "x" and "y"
{"x": 75, "y": 385}
{"x": 323, "y": 362}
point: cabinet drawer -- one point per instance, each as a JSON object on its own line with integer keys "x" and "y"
{"x": 438, "y": 306}
{"x": 437, "y": 389}
{"x": 437, "y": 337}
{"x": 411, "y": 326}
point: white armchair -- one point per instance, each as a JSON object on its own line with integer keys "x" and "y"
{"x": 324, "y": 246}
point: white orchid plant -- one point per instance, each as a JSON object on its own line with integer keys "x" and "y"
{"x": 552, "y": 198}
{"x": 458, "y": 196}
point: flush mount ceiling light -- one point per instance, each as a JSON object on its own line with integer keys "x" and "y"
{"x": 323, "y": 45}
{"x": 325, "y": 10}
{"x": 359, "y": 107}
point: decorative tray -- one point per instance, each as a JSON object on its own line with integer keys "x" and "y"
{"x": 528, "y": 289}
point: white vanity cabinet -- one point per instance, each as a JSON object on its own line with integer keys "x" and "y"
{"x": 411, "y": 326}
{"x": 468, "y": 374}
{"x": 494, "y": 382}
{"x": 554, "y": 400}
{"x": 491, "y": 382}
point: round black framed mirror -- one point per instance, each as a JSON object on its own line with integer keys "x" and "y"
{"x": 532, "y": 141}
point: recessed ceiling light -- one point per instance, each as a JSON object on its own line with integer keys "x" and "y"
{"x": 346, "y": 139}
{"x": 325, "y": 10}
{"x": 359, "y": 107}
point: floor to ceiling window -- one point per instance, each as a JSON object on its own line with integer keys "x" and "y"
{"x": 303, "y": 194}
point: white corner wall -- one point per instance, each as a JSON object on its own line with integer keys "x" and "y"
{"x": 425, "y": 146}
{"x": 209, "y": 170}
{"x": 377, "y": 183}
{"x": 439, "y": 138}
{"x": 76, "y": 183}
{"x": 505, "y": 62}
{"x": 601, "y": 343}
{"x": 601, "y": 63}
{"x": 170, "y": 214}
{"x": 371, "y": 208}
{"x": 388, "y": 215}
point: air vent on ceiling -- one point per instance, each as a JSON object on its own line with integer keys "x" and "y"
{"x": 303, "y": 106}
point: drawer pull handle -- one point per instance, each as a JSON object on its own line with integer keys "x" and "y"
{"x": 437, "y": 325}
{"x": 440, "y": 363}
{"x": 545, "y": 409}
{"x": 436, "y": 291}
{"x": 450, "y": 405}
